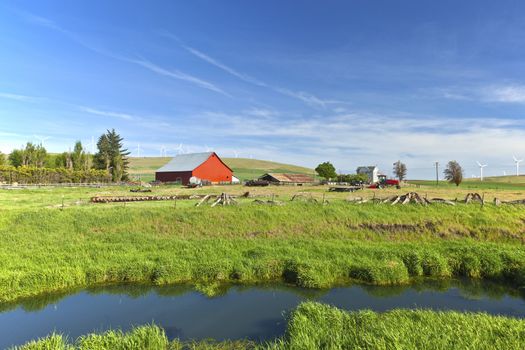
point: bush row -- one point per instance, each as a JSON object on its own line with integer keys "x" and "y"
{"x": 32, "y": 175}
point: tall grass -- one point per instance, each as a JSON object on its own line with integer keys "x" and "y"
{"x": 307, "y": 245}
{"x": 317, "y": 326}
{"x": 141, "y": 338}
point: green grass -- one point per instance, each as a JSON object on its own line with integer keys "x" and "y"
{"x": 489, "y": 183}
{"x": 308, "y": 245}
{"x": 141, "y": 338}
{"x": 317, "y": 326}
{"x": 45, "y": 249}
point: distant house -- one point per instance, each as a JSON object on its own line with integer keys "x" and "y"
{"x": 205, "y": 166}
{"x": 287, "y": 179}
{"x": 371, "y": 171}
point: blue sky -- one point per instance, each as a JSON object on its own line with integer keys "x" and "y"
{"x": 352, "y": 82}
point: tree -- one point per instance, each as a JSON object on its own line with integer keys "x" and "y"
{"x": 400, "y": 170}
{"x": 453, "y": 172}
{"x": 78, "y": 157}
{"x": 16, "y": 158}
{"x": 2, "y": 159}
{"x": 31, "y": 155}
{"x": 326, "y": 170}
{"x": 63, "y": 160}
{"x": 112, "y": 156}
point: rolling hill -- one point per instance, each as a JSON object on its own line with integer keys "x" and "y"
{"x": 243, "y": 168}
{"x": 492, "y": 182}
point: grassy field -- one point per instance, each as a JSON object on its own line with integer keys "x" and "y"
{"x": 489, "y": 183}
{"x": 316, "y": 326}
{"x": 52, "y": 198}
{"x": 306, "y": 244}
{"x": 54, "y": 239}
{"x": 243, "y": 168}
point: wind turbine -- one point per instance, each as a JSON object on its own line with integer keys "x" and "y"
{"x": 138, "y": 150}
{"x": 163, "y": 151}
{"x": 236, "y": 153}
{"x": 180, "y": 149}
{"x": 208, "y": 149}
{"x": 517, "y": 161}
{"x": 42, "y": 139}
{"x": 481, "y": 166}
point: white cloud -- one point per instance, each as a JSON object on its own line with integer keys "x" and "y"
{"x": 16, "y": 97}
{"x": 354, "y": 139}
{"x": 176, "y": 74}
{"x": 108, "y": 113}
{"x": 305, "y": 97}
{"x": 507, "y": 94}
{"x": 503, "y": 93}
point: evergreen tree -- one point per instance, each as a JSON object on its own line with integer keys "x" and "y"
{"x": 102, "y": 159}
{"x": 112, "y": 156}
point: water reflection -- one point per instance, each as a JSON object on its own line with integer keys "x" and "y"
{"x": 252, "y": 312}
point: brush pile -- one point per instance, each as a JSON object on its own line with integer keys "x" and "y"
{"x": 303, "y": 197}
{"x": 411, "y": 197}
{"x": 120, "y": 199}
{"x": 224, "y": 199}
{"x": 474, "y": 197}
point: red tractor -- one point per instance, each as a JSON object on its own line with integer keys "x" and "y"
{"x": 384, "y": 182}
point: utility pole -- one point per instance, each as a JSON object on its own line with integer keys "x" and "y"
{"x": 437, "y": 173}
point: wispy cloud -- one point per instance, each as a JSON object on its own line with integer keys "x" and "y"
{"x": 17, "y": 97}
{"x": 224, "y": 67}
{"x": 493, "y": 93}
{"x": 176, "y": 74}
{"x": 111, "y": 114}
{"x": 349, "y": 141}
{"x": 45, "y": 22}
{"x": 506, "y": 94}
{"x": 305, "y": 97}
{"x": 173, "y": 73}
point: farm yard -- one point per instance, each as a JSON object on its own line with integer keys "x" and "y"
{"x": 186, "y": 175}
{"x": 57, "y": 242}
{"x": 244, "y": 168}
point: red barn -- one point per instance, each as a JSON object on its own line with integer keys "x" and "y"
{"x": 206, "y": 166}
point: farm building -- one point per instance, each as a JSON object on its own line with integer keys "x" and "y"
{"x": 205, "y": 166}
{"x": 371, "y": 171}
{"x": 287, "y": 179}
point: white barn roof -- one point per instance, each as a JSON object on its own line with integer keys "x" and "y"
{"x": 185, "y": 162}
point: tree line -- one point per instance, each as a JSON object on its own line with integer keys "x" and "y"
{"x": 453, "y": 173}
{"x": 33, "y": 164}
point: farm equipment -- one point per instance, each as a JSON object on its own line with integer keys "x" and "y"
{"x": 257, "y": 183}
{"x": 385, "y": 182}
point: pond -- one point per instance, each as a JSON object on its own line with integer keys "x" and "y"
{"x": 256, "y": 313}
